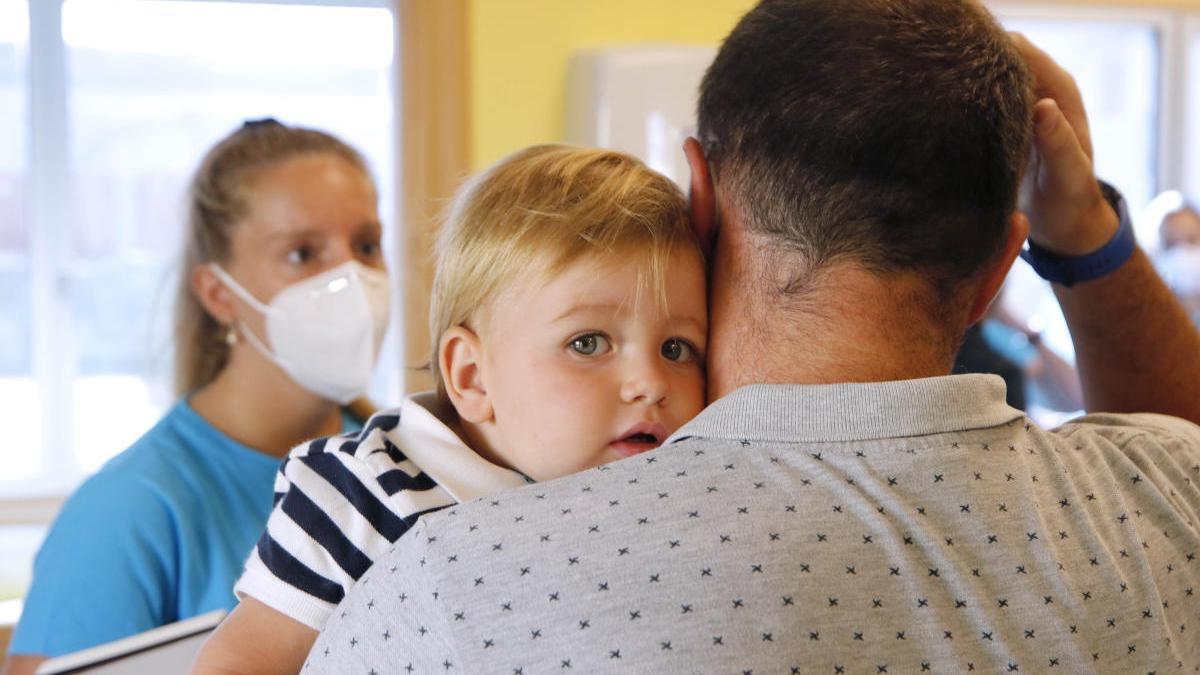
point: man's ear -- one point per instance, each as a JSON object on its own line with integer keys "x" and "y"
{"x": 1014, "y": 239}
{"x": 701, "y": 194}
{"x": 213, "y": 295}
{"x": 460, "y": 357}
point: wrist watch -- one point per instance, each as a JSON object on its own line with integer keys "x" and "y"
{"x": 1070, "y": 270}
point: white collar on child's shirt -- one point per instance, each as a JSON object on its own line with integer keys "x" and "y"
{"x": 442, "y": 455}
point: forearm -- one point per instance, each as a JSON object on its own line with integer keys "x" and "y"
{"x": 255, "y": 640}
{"x": 1056, "y": 380}
{"x": 1135, "y": 348}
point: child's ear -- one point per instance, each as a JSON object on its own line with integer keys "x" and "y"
{"x": 460, "y": 357}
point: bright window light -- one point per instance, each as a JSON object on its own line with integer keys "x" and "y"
{"x": 1193, "y": 116}
{"x": 232, "y": 33}
{"x": 14, "y": 22}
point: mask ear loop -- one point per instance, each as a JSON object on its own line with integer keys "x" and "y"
{"x": 239, "y": 327}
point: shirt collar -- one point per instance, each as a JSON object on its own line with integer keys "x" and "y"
{"x": 854, "y": 412}
{"x": 441, "y": 454}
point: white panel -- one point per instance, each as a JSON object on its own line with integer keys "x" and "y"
{"x": 640, "y": 100}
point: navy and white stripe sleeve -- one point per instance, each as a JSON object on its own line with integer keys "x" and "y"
{"x": 340, "y": 502}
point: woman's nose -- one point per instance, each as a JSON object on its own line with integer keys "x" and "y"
{"x": 341, "y": 252}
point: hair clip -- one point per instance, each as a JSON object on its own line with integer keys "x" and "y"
{"x": 259, "y": 123}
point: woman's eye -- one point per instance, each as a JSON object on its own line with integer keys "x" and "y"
{"x": 678, "y": 351}
{"x": 592, "y": 344}
{"x": 369, "y": 249}
{"x": 300, "y": 254}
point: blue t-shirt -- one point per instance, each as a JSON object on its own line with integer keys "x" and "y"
{"x": 158, "y": 535}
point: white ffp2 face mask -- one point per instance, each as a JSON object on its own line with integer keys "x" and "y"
{"x": 325, "y": 331}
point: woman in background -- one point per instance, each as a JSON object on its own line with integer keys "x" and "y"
{"x": 282, "y": 305}
{"x": 1178, "y": 255}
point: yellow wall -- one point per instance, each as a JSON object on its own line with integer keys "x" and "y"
{"x": 519, "y": 51}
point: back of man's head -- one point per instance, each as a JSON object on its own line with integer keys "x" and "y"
{"x": 888, "y": 133}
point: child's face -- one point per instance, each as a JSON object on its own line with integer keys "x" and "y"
{"x": 585, "y": 369}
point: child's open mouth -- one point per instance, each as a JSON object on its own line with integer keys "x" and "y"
{"x": 640, "y": 438}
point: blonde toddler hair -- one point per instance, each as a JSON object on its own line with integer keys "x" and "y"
{"x": 542, "y": 209}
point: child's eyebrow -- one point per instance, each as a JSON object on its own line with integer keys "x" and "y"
{"x": 611, "y": 307}
{"x": 614, "y": 308}
{"x": 699, "y": 325}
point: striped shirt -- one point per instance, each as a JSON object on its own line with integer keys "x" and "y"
{"x": 340, "y": 502}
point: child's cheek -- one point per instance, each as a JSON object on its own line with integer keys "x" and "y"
{"x": 577, "y": 394}
{"x": 691, "y": 396}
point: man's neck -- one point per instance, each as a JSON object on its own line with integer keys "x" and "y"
{"x": 850, "y": 326}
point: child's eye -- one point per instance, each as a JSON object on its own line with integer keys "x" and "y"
{"x": 679, "y": 351}
{"x": 592, "y": 344}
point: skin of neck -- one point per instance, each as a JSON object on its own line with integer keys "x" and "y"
{"x": 842, "y": 324}
{"x": 256, "y": 404}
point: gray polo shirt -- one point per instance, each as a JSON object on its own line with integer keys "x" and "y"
{"x": 903, "y": 527}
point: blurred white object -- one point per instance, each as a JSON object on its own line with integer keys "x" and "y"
{"x": 1160, "y": 207}
{"x": 640, "y": 100}
{"x": 1180, "y": 269}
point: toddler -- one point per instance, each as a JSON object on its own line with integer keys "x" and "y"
{"x": 569, "y": 321}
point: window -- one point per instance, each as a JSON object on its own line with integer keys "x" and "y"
{"x": 1116, "y": 65}
{"x": 127, "y": 95}
{"x": 1192, "y": 108}
{"x": 18, "y": 390}
{"x": 1118, "y": 59}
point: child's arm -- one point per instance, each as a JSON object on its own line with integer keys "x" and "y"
{"x": 332, "y": 518}
{"x": 255, "y": 639}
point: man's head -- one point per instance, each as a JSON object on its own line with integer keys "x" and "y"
{"x": 890, "y": 135}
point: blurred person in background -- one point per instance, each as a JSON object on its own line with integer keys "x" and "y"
{"x": 282, "y": 304}
{"x": 1034, "y": 374}
{"x": 1178, "y": 256}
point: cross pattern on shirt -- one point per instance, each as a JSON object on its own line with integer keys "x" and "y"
{"x": 1002, "y": 550}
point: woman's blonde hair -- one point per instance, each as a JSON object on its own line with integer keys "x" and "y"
{"x": 540, "y": 210}
{"x": 218, "y": 198}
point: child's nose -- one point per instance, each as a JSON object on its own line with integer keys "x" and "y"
{"x": 645, "y": 383}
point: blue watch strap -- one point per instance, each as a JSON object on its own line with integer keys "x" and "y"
{"x": 1070, "y": 270}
